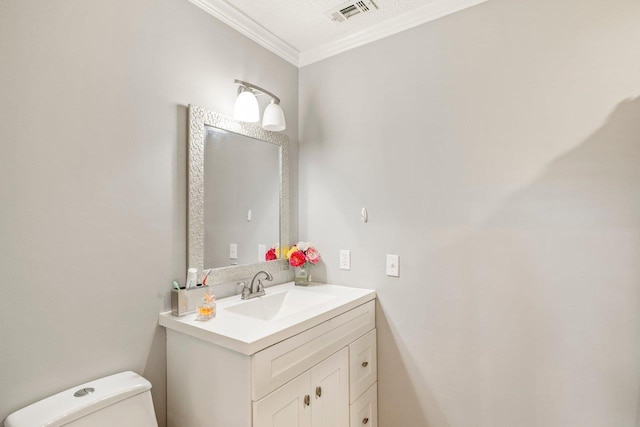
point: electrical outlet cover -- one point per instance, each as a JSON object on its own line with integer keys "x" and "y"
{"x": 345, "y": 259}
{"x": 233, "y": 251}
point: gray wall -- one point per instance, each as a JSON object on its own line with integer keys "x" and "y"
{"x": 498, "y": 153}
{"x": 93, "y": 131}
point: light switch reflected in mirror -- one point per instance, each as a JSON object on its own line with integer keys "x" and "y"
{"x": 241, "y": 198}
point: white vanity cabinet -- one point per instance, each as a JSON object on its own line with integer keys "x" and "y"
{"x": 323, "y": 376}
{"x": 318, "y": 398}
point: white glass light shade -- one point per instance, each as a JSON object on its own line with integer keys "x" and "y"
{"x": 246, "y": 108}
{"x": 273, "y": 118}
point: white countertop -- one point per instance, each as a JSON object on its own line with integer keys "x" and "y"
{"x": 249, "y": 335}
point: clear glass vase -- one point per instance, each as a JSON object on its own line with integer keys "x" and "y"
{"x": 303, "y": 275}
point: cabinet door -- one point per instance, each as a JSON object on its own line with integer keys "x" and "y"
{"x": 330, "y": 388}
{"x": 288, "y": 406}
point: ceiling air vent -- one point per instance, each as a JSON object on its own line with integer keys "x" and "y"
{"x": 350, "y": 9}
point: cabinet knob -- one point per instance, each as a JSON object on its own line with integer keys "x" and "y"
{"x": 365, "y": 420}
{"x": 318, "y": 391}
{"x": 365, "y": 364}
{"x": 307, "y": 400}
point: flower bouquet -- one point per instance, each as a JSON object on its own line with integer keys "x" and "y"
{"x": 302, "y": 256}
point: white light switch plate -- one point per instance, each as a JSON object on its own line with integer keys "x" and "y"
{"x": 393, "y": 265}
{"x": 345, "y": 259}
{"x": 262, "y": 251}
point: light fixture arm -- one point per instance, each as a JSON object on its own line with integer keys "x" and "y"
{"x": 258, "y": 89}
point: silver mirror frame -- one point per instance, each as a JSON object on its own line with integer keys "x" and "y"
{"x": 199, "y": 119}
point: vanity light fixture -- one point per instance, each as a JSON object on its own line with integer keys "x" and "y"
{"x": 246, "y": 108}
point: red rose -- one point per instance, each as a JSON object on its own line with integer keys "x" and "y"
{"x": 271, "y": 255}
{"x": 297, "y": 259}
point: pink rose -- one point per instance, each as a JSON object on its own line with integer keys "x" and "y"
{"x": 297, "y": 259}
{"x": 313, "y": 255}
{"x": 271, "y": 255}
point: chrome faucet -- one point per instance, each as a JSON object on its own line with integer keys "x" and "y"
{"x": 253, "y": 290}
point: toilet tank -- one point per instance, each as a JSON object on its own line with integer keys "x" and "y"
{"x": 122, "y": 400}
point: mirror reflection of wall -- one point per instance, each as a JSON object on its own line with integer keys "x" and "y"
{"x": 241, "y": 198}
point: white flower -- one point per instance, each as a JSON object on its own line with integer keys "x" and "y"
{"x": 303, "y": 246}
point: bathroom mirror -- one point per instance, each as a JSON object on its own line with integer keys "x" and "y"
{"x": 241, "y": 198}
{"x": 238, "y": 196}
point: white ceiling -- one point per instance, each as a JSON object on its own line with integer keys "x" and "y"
{"x": 301, "y": 32}
{"x": 304, "y": 23}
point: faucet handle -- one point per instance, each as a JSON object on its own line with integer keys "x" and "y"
{"x": 245, "y": 289}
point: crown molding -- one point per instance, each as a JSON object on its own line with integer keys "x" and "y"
{"x": 250, "y": 28}
{"x": 430, "y": 12}
{"x": 237, "y": 20}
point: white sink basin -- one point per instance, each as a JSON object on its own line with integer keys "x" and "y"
{"x": 273, "y": 307}
{"x": 286, "y": 310}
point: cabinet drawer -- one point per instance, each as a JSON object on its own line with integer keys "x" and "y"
{"x": 364, "y": 411}
{"x": 274, "y": 366}
{"x": 363, "y": 365}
